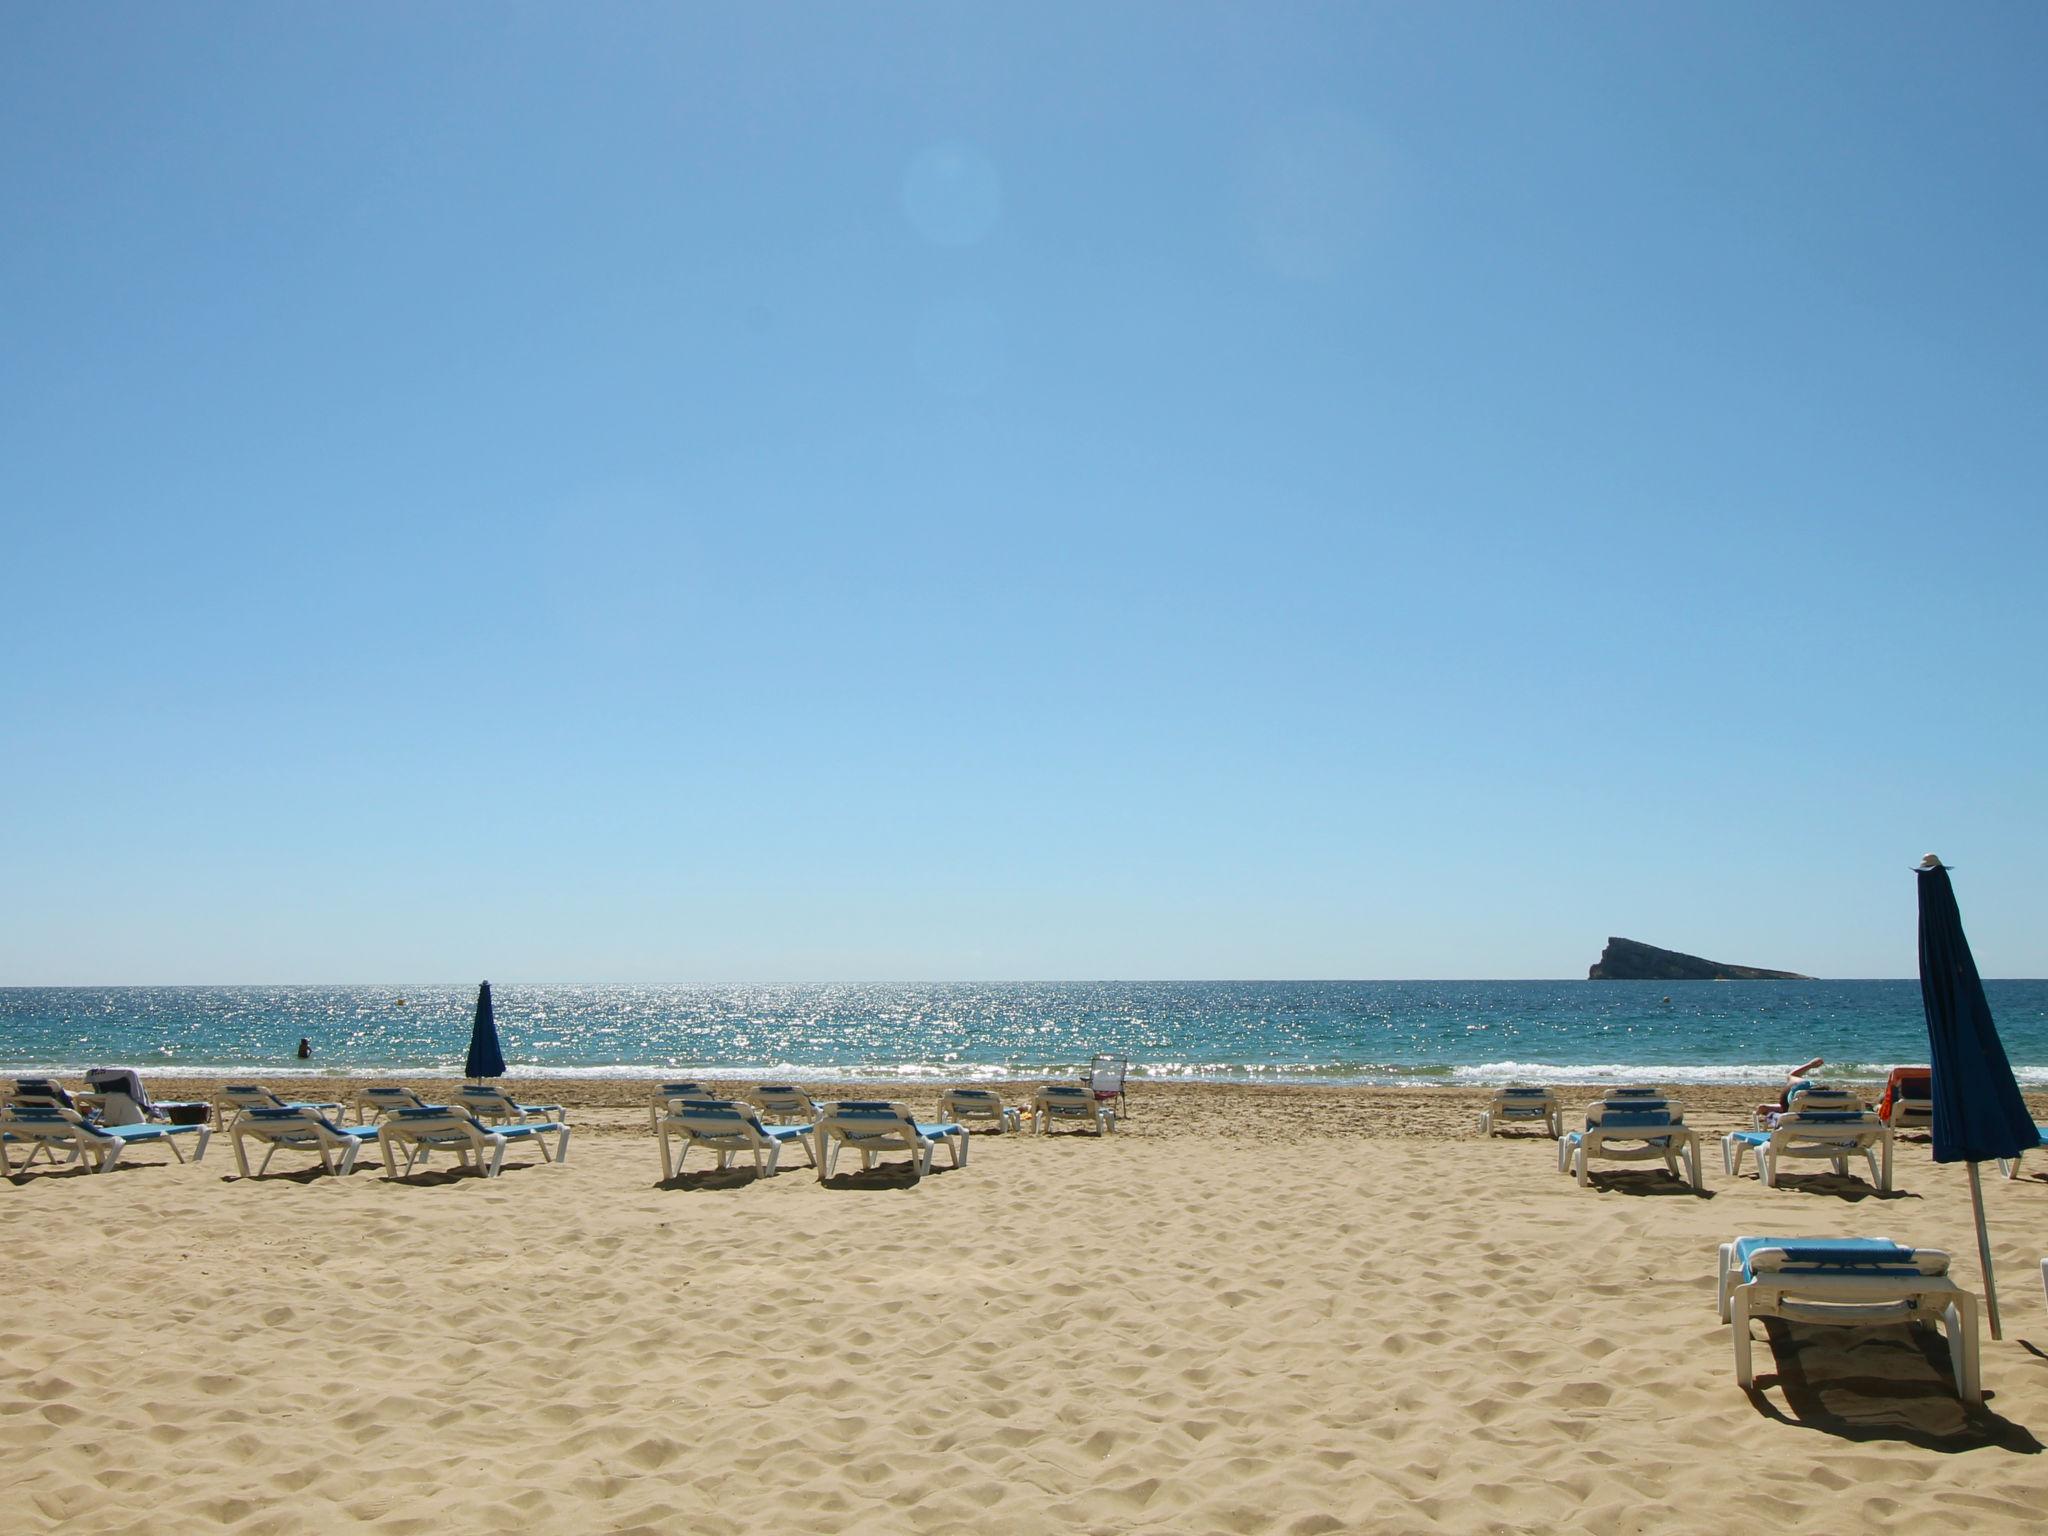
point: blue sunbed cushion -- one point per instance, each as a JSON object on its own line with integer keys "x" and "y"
{"x": 1840, "y": 1253}
{"x": 1753, "y": 1138}
{"x": 944, "y": 1128}
{"x": 1831, "y": 1116}
{"x": 146, "y": 1132}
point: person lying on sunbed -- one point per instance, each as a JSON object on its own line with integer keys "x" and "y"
{"x": 1795, "y": 1085}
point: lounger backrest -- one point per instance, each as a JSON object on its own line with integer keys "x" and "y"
{"x": 1828, "y": 1119}
{"x": 387, "y": 1100}
{"x": 1825, "y": 1098}
{"x": 971, "y": 1103}
{"x": 1842, "y": 1256}
{"x": 250, "y": 1096}
{"x": 46, "y": 1120}
{"x": 784, "y": 1099}
{"x": 872, "y": 1116}
{"x": 277, "y": 1124}
{"x": 1634, "y": 1117}
{"x": 1634, "y": 1091}
{"x": 669, "y": 1091}
{"x": 437, "y": 1121}
{"x": 717, "y": 1117}
{"x": 496, "y": 1100}
{"x": 40, "y": 1090}
{"x": 1067, "y": 1099}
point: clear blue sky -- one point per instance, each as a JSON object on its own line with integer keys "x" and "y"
{"x": 798, "y": 492}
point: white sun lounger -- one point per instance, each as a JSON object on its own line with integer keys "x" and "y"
{"x": 726, "y": 1128}
{"x": 44, "y": 1128}
{"x": 1833, "y": 1134}
{"x": 2010, "y": 1166}
{"x": 236, "y": 1098}
{"x": 1522, "y": 1106}
{"x": 667, "y": 1095}
{"x": 304, "y": 1129}
{"x": 782, "y": 1104}
{"x": 1849, "y": 1281}
{"x": 872, "y": 1126}
{"x": 1075, "y": 1103}
{"x": 1632, "y": 1130}
{"x": 496, "y": 1106}
{"x": 983, "y": 1106}
{"x": 420, "y": 1130}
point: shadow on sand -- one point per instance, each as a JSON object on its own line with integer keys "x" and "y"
{"x": 1879, "y": 1384}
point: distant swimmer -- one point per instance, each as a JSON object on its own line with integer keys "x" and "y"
{"x": 305, "y": 1049}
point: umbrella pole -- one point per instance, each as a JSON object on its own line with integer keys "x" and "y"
{"x": 1984, "y": 1253}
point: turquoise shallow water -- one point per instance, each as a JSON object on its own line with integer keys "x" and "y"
{"x": 1252, "y": 1031}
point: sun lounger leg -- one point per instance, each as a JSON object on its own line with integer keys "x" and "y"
{"x": 241, "y": 1157}
{"x": 960, "y": 1145}
{"x": 1962, "y": 1339}
{"x": 497, "y": 1157}
{"x": 1745, "y": 1374}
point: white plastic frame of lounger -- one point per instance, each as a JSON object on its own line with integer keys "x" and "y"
{"x": 496, "y": 1106}
{"x": 234, "y": 1098}
{"x": 870, "y": 1126}
{"x": 727, "y": 1128}
{"x": 780, "y": 1104}
{"x": 1836, "y": 1135}
{"x": 455, "y": 1129}
{"x": 1631, "y": 1132}
{"x": 667, "y": 1095}
{"x": 2010, "y": 1166}
{"x": 1916, "y": 1289}
{"x": 967, "y": 1105}
{"x": 1075, "y": 1102}
{"x": 48, "y": 1127}
{"x": 304, "y": 1130}
{"x": 1512, "y": 1106}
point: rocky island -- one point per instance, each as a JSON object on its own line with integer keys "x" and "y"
{"x": 1628, "y": 960}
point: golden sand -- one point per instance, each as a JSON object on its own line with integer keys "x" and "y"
{"x": 1248, "y": 1311}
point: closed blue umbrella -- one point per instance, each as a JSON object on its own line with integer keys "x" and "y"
{"x": 485, "y": 1058}
{"x": 1978, "y": 1111}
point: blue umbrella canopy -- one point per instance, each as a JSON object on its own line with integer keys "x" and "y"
{"x": 485, "y": 1058}
{"x": 1978, "y": 1111}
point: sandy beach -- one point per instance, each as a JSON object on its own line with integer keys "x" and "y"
{"x": 1248, "y": 1311}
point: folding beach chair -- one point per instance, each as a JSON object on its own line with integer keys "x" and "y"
{"x": 1106, "y": 1077}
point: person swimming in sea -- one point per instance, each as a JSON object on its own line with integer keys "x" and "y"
{"x": 305, "y": 1049}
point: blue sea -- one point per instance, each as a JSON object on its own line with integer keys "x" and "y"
{"x": 1230, "y": 1031}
